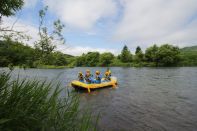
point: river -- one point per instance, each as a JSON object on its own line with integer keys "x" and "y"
{"x": 155, "y": 99}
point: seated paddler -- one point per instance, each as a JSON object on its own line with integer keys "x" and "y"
{"x": 109, "y": 71}
{"x": 98, "y": 77}
{"x": 80, "y": 77}
{"x": 107, "y": 76}
{"x": 88, "y": 77}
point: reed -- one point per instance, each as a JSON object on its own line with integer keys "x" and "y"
{"x": 37, "y": 105}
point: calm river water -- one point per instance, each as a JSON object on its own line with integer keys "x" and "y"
{"x": 155, "y": 99}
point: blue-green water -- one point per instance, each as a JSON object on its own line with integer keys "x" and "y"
{"x": 145, "y": 99}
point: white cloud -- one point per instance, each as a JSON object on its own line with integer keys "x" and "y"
{"x": 22, "y": 26}
{"x": 82, "y": 14}
{"x": 78, "y": 50}
{"x": 145, "y": 22}
{"x": 32, "y": 31}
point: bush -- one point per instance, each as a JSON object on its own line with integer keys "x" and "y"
{"x": 34, "y": 105}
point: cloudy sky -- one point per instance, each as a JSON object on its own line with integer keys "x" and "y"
{"x": 107, "y": 25}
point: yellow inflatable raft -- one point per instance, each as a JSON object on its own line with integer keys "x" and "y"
{"x": 80, "y": 85}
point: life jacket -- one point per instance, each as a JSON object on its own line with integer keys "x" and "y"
{"x": 98, "y": 77}
{"x": 80, "y": 77}
{"x": 107, "y": 77}
{"x": 109, "y": 73}
{"x": 88, "y": 77}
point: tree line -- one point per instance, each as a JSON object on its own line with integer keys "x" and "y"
{"x": 17, "y": 54}
{"x": 165, "y": 55}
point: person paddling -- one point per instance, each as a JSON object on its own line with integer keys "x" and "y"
{"x": 97, "y": 77}
{"x": 80, "y": 77}
{"x": 88, "y": 77}
{"x": 109, "y": 71}
{"x": 107, "y": 76}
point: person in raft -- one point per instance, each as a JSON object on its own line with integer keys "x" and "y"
{"x": 98, "y": 77}
{"x": 109, "y": 72}
{"x": 88, "y": 77}
{"x": 107, "y": 76}
{"x": 80, "y": 77}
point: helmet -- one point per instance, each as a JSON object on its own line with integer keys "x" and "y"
{"x": 97, "y": 72}
{"x": 88, "y": 71}
{"x": 106, "y": 73}
{"x": 80, "y": 73}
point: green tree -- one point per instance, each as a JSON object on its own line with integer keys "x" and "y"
{"x": 189, "y": 56}
{"x": 139, "y": 56}
{"x": 15, "y": 53}
{"x": 9, "y": 7}
{"x": 59, "y": 59}
{"x": 138, "y": 49}
{"x": 151, "y": 54}
{"x": 92, "y": 58}
{"x": 80, "y": 60}
{"x": 47, "y": 41}
{"x": 168, "y": 55}
{"x": 106, "y": 59}
{"x": 125, "y": 55}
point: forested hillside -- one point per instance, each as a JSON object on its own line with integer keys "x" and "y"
{"x": 189, "y": 56}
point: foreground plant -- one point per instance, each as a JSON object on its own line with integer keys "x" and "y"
{"x": 34, "y": 105}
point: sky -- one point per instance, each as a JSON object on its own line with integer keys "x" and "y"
{"x": 108, "y": 25}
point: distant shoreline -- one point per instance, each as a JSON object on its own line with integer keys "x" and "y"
{"x": 67, "y": 67}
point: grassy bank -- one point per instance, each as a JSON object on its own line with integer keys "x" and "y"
{"x": 35, "y": 105}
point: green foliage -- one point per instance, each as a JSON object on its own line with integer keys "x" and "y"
{"x": 125, "y": 55}
{"x": 188, "y": 58}
{"x": 189, "y": 49}
{"x": 9, "y": 7}
{"x": 165, "y": 55}
{"x": 151, "y": 54}
{"x": 139, "y": 56}
{"x": 35, "y": 105}
{"x": 15, "y": 53}
{"x": 59, "y": 59}
{"x": 92, "y": 58}
{"x": 138, "y": 50}
{"x": 18, "y": 54}
{"x": 168, "y": 55}
{"x": 118, "y": 63}
{"x": 106, "y": 59}
{"x": 81, "y": 60}
{"x": 47, "y": 42}
{"x": 89, "y": 59}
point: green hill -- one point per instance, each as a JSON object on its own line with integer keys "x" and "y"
{"x": 189, "y": 56}
{"x": 191, "y": 48}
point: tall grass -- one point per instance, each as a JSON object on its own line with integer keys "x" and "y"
{"x": 35, "y": 105}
